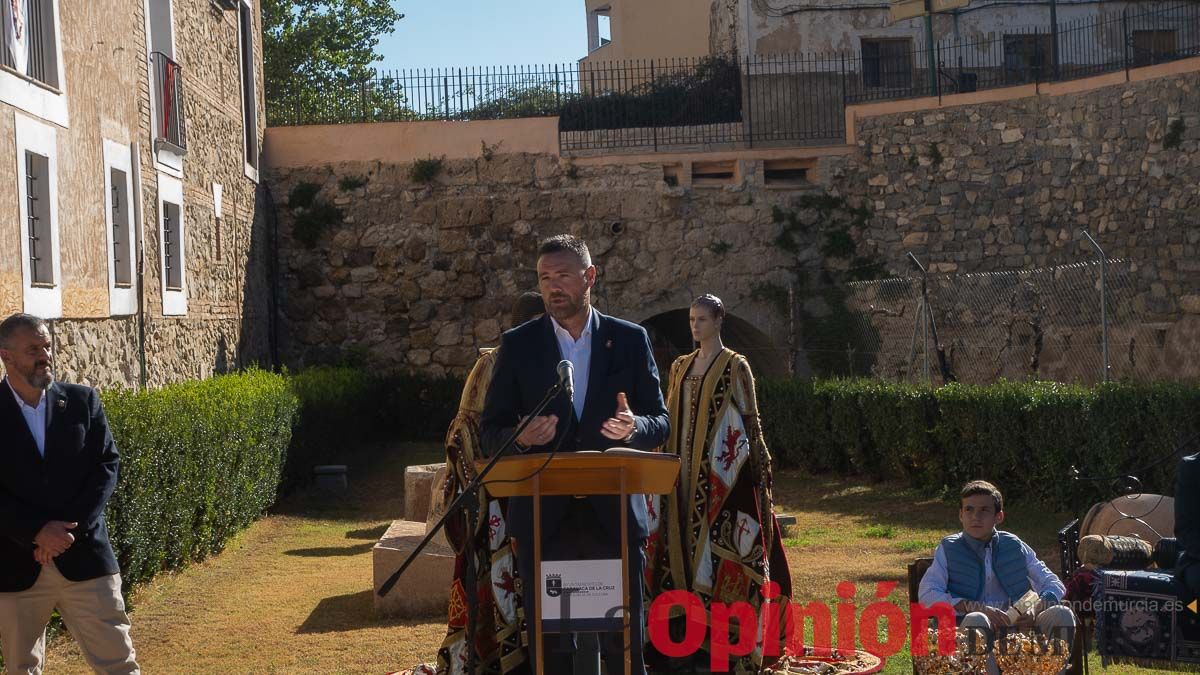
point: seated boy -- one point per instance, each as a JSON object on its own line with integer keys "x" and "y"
{"x": 981, "y": 571}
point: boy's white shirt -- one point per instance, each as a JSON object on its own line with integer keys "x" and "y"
{"x": 935, "y": 584}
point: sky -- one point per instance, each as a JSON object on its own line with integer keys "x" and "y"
{"x": 485, "y": 33}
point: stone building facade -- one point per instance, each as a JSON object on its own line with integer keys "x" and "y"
{"x": 130, "y": 134}
{"x": 767, "y": 28}
{"x": 419, "y": 275}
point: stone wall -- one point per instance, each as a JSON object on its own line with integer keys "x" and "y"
{"x": 1017, "y": 180}
{"x": 418, "y": 276}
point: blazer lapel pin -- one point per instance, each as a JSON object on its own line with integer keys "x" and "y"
{"x": 608, "y": 344}
{"x": 61, "y": 403}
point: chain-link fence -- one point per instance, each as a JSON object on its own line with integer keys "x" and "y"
{"x": 1044, "y": 324}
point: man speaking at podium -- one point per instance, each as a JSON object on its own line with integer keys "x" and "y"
{"x": 617, "y": 403}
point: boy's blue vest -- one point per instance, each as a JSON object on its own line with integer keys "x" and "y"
{"x": 965, "y": 567}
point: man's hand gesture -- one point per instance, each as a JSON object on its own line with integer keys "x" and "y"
{"x": 52, "y": 540}
{"x": 539, "y": 432}
{"x": 620, "y": 427}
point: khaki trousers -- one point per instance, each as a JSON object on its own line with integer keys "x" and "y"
{"x": 93, "y": 611}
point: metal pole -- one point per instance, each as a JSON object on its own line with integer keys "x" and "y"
{"x": 1054, "y": 38}
{"x": 653, "y": 98}
{"x": 933, "y": 79}
{"x": 749, "y": 113}
{"x": 925, "y": 338}
{"x": 843, "y": 85}
{"x": 918, "y": 319}
{"x": 1103, "y": 306}
{"x": 1125, "y": 41}
{"x": 1037, "y": 55}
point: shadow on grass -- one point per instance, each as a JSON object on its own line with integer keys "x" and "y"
{"x": 372, "y": 533}
{"x": 375, "y": 475}
{"x": 352, "y": 611}
{"x": 331, "y": 551}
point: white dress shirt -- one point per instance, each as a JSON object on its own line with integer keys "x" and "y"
{"x": 935, "y": 583}
{"x": 35, "y": 417}
{"x": 579, "y": 353}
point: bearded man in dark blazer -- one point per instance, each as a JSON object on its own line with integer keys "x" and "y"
{"x": 617, "y": 403}
{"x": 58, "y": 467}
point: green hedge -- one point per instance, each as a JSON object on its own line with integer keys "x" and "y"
{"x": 199, "y": 461}
{"x": 344, "y": 407}
{"x": 1023, "y": 436}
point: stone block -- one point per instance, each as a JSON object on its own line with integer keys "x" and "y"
{"x": 639, "y": 205}
{"x": 449, "y": 334}
{"x": 437, "y": 507}
{"x": 487, "y": 331}
{"x": 1011, "y": 135}
{"x": 331, "y": 477}
{"x": 604, "y": 204}
{"x": 424, "y": 590}
{"x": 418, "y": 486}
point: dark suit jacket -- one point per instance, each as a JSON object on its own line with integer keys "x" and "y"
{"x": 72, "y": 483}
{"x": 1187, "y": 514}
{"x": 621, "y": 361}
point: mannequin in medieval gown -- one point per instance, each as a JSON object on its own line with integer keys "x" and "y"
{"x": 724, "y": 486}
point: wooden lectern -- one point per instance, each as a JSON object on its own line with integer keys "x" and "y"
{"x": 617, "y": 471}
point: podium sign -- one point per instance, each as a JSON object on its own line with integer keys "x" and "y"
{"x": 582, "y": 595}
{"x": 603, "y": 584}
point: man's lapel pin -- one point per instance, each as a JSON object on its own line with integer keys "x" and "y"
{"x": 608, "y": 344}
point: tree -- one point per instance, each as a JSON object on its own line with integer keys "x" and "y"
{"x": 317, "y": 57}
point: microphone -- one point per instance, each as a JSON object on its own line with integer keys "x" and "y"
{"x": 566, "y": 375}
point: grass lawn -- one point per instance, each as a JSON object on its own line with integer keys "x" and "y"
{"x": 293, "y": 593}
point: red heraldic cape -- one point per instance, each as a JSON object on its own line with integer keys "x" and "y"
{"x": 716, "y": 535}
{"x": 499, "y": 625}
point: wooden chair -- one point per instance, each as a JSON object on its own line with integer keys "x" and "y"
{"x": 916, "y": 571}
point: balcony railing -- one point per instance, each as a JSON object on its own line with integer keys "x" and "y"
{"x": 170, "y": 130}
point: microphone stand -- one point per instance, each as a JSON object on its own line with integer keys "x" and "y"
{"x": 468, "y": 502}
